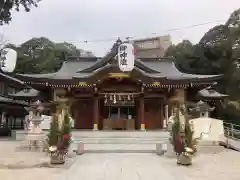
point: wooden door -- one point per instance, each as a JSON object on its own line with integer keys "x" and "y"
{"x": 153, "y": 116}
{"x": 83, "y": 114}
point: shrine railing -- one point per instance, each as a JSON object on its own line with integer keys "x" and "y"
{"x": 231, "y": 130}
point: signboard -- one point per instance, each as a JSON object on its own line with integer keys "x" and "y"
{"x": 126, "y": 57}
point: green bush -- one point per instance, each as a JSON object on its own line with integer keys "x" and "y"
{"x": 230, "y": 114}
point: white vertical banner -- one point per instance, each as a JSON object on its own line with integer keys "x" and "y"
{"x": 126, "y": 57}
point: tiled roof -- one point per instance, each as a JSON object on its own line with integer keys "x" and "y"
{"x": 151, "y": 67}
{"x": 211, "y": 93}
{"x": 11, "y": 101}
{"x": 29, "y": 93}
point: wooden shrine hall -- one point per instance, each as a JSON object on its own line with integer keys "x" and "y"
{"x": 104, "y": 98}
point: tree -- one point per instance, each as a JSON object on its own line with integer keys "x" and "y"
{"x": 6, "y": 7}
{"x": 218, "y": 52}
{"x": 40, "y": 55}
{"x": 182, "y": 49}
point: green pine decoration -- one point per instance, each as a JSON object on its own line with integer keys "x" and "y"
{"x": 182, "y": 139}
{"x": 66, "y": 131}
{"x": 189, "y": 140}
{"x": 60, "y": 137}
{"x": 53, "y": 136}
{"x": 176, "y": 135}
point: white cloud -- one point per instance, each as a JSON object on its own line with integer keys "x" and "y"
{"x": 77, "y": 20}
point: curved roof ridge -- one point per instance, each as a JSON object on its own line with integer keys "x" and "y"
{"x": 104, "y": 60}
{"x": 138, "y": 63}
{"x": 67, "y": 69}
{"x": 160, "y": 59}
{"x": 82, "y": 58}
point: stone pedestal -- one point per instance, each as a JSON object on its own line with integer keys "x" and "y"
{"x": 184, "y": 160}
{"x": 159, "y": 150}
{"x": 169, "y": 152}
{"x": 57, "y": 157}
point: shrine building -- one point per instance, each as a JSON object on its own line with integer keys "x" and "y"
{"x": 104, "y": 98}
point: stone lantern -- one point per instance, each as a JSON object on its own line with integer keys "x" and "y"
{"x": 201, "y": 109}
{"x": 37, "y": 109}
{"x": 35, "y": 135}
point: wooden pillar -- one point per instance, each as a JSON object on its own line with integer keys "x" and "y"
{"x": 142, "y": 122}
{"x": 162, "y": 117}
{"x": 95, "y": 113}
{"x": 166, "y": 114}
{"x": 118, "y": 114}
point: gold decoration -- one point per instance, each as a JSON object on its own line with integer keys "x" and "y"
{"x": 82, "y": 83}
{"x": 156, "y": 83}
{"x": 118, "y": 75}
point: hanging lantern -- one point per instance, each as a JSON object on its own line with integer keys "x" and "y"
{"x": 114, "y": 99}
{"x": 126, "y": 57}
{"x": 119, "y": 97}
{"x": 105, "y": 100}
{"x": 129, "y": 97}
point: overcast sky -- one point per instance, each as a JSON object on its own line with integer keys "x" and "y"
{"x": 75, "y": 21}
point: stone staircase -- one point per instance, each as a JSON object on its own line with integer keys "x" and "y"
{"x": 120, "y": 141}
{"x": 123, "y": 141}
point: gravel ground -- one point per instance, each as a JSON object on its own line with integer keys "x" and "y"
{"x": 15, "y": 164}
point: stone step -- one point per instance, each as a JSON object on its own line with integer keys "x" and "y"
{"x": 120, "y": 140}
{"x": 119, "y": 148}
{"x": 21, "y": 134}
{"x": 120, "y": 134}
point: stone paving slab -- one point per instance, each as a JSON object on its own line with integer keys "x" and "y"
{"x": 208, "y": 166}
{"x": 220, "y": 165}
{"x": 117, "y": 167}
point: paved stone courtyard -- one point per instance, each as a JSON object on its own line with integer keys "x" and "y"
{"x": 206, "y": 166}
{"x": 220, "y": 166}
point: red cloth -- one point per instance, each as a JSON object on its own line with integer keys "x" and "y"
{"x": 178, "y": 143}
{"x": 66, "y": 136}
